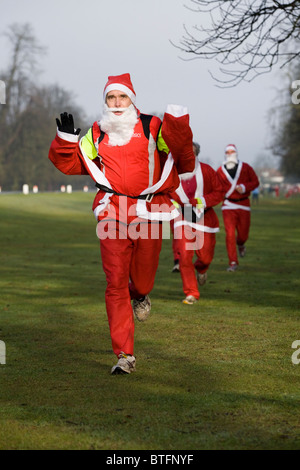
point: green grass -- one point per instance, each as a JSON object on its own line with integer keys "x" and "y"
{"x": 216, "y": 375}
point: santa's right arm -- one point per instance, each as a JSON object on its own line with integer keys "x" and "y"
{"x": 178, "y": 136}
{"x": 64, "y": 151}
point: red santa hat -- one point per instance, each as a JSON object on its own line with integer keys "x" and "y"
{"x": 120, "y": 83}
{"x": 230, "y": 147}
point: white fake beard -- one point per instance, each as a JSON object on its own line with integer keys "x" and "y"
{"x": 119, "y": 128}
{"x": 231, "y": 161}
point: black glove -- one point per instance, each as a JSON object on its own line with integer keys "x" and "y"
{"x": 67, "y": 124}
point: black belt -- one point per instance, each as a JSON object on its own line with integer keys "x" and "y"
{"x": 237, "y": 200}
{"x": 147, "y": 197}
{"x": 189, "y": 214}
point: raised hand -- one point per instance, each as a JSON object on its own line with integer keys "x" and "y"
{"x": 66, "y": 124}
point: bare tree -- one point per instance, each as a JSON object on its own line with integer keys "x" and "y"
{"x": 246, "y": 37}
{"x": 23, "y": 67}
{"x": 17, "y": 78}
{"x": 27, "y": 120}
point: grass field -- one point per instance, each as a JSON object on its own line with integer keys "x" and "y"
{"x": 216, "y": 375}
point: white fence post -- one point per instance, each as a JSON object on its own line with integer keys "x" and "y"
{"x": 25, "y": 189}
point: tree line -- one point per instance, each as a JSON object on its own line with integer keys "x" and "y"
{"x": 27, "y": 121}
{"x": 286, "y": 142}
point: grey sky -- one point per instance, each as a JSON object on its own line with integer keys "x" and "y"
{"x": 87, "y": 41}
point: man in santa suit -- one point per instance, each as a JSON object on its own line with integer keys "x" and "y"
{"x": 196, "y": 227}
{"x": 128, "y": 155}
{"x": 175, "y": 242}
{"x": 238, "y": 179}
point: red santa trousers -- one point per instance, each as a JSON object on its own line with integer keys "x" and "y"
{"x": 237, "y": 226}
{"x": 130, "y": 263}
{"x": 204, "y": 249}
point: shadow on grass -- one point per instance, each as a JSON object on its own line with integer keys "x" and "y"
{"x": 57, "y": 374}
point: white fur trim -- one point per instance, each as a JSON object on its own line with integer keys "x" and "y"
{"x": 187, "y": 176}
{"x": 200, "y": 182}
{"x": 120, "y": 87}
{"x": 103, "y": 203}
{"x": 233, "y": 181}
{"x": 180, "y": 192}
{"x": 231, "y": 147}
{"x": 143, "y": 213}
{"x": 200, "y": 227}
{"x": 228, "y": 205}
{"x": 176, "y": 110}
{"x": 68, "y": 137}
{"x": 95, "y": 171}
{"x": 166, "y": 171}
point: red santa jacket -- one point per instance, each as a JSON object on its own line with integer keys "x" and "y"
{"x": 246, "y": 176}
{"x": 204, "y": 184}
{"x": 144, "y": 166}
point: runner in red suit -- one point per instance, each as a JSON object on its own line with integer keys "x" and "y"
{"x": 196, "y": 227}
{"x": 238, "y": 179}
{"x": 135, "y": 160}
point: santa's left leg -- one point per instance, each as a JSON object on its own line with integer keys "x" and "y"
{"x": 243, "y": 228}
{"x": 116, "y": 255}
{"x": 187, "y": 243}
{"x": 230, "y": 218}
{"x": 147, "y": 242}
{"x": 204, "y": 257}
